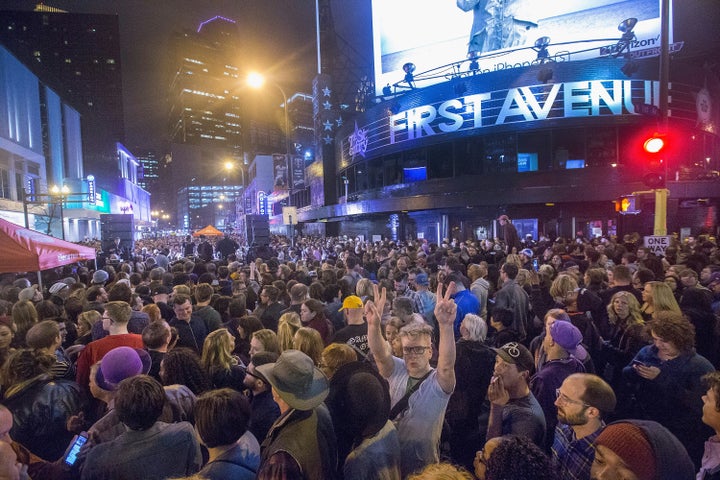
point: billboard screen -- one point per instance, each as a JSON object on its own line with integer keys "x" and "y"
{"x": 433, "y": 34}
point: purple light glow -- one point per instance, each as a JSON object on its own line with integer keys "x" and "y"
{"x": 213, "y": 19}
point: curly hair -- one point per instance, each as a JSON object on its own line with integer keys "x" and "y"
{"x": 442, "y": 471}
{"x": 674, "y": 328}
{"x": 518, "y": 457}
{"x": 635, "y": 316}
{"x": 25, "y": 364}
{"x": 182, "y": 366}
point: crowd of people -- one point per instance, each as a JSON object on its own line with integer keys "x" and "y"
{"x": 332, "y": 358}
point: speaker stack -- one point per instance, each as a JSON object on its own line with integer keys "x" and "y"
{"x": 258, "y": 229}
{"x": 120, "y": 226}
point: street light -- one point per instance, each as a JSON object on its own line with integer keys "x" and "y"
{"x": 62, "y": 193}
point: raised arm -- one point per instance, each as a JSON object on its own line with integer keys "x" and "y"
{"x": 378, "y": 346}
{"x": 445, "y": 312}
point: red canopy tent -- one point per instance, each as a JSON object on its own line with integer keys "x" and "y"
{"x": 208, "y": 231}
{"x": 23, "y": 250}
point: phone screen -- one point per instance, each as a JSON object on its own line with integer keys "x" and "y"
{"x": 72, "y": 455}
{"x": 535, "y": 263}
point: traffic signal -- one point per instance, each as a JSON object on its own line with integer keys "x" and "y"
{"x": 654, "y": 151}
{"x": 626, "y": 205}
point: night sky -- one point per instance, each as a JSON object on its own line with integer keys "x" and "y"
{"x": 279, "y": 36}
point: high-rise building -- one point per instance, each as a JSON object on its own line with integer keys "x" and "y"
{"x": 78, "y": 56}
{"x": 149, "y": 163}
{"x": 204, "y": 109}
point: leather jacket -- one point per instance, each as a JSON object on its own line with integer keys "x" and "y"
{"x": 40, "y": 408}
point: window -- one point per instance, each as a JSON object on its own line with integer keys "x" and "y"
{"x": 4, "y": 183}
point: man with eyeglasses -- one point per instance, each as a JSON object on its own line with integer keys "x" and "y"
{"x": 419, "y": 423}
{"x": 583, "y": 400}
{"x": 513, "y": 407}
{"x": 115, "y": 321}
{"x": 562, "y": 348}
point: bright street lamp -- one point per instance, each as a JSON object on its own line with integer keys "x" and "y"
{"x": 257, "y": 80}
{"x": 62, "y": 193}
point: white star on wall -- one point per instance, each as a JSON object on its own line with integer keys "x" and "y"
{"x": 326, "y": 91}
{"x": 328, "y": 139}
{"x": 327, "y": 105}
{"x": 328, "y": 125}
{"x": 339, "y": 122}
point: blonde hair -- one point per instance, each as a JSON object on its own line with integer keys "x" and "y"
{"x": 514, "y": 258}
{"x": 663, "y": 299}
{"x": 269, "y": 340}
{"x": 88, "y": 319}
{"x": 217, "y": 351}
{"x": 635, "y": 315}
{"x": 563, "y": 285}
{"x": 309, "y": 341}
{"x": 288, "y": 325}
{"x": 442, "y": 471}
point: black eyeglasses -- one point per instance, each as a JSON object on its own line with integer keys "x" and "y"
{"x": 414, "y": 350}
{"x": 258, "y": 377}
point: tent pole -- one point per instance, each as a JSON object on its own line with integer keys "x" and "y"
{"x": 40, "y": 286}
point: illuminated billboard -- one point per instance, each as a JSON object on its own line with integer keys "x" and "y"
{"x": 446, "y": 38}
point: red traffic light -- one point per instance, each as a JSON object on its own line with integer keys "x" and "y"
{"x": 654, "y": 144}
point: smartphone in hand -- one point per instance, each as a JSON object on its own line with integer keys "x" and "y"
{"x": 71, "y": 455}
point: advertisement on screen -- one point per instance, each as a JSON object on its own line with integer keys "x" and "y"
{"x": 494, "y": 35}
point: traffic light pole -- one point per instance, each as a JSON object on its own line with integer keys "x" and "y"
{"x": 661, "y": 196}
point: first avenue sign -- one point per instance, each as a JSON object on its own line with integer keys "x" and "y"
{"x": 589, "y": 98}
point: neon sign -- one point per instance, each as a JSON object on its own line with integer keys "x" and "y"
{"x": 588, "y": 98}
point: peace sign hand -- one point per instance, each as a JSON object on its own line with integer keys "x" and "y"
{"x": 445, "y": 307}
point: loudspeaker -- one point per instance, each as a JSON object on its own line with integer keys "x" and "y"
{"x": 258, "y": 229}
{"x": 120, "y": 226}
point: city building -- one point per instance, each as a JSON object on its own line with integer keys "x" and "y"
{"x": 219, "y": 127}
{"x": 547, "y": 128}
{"x": 78, "y": 56}
{"x": 43, "y": 184}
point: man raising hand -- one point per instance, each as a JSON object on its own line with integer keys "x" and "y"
{"x": 419, "y": 394}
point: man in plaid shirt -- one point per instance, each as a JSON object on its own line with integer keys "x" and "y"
{"x": 582, "y": 402}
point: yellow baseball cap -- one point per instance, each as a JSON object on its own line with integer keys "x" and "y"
{"x": 352, "y": 301}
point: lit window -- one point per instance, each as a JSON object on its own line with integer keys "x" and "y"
{"x": 36, "y": 53}
{"x": 68, "y": 60}
{"x": 110, "y": 61}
